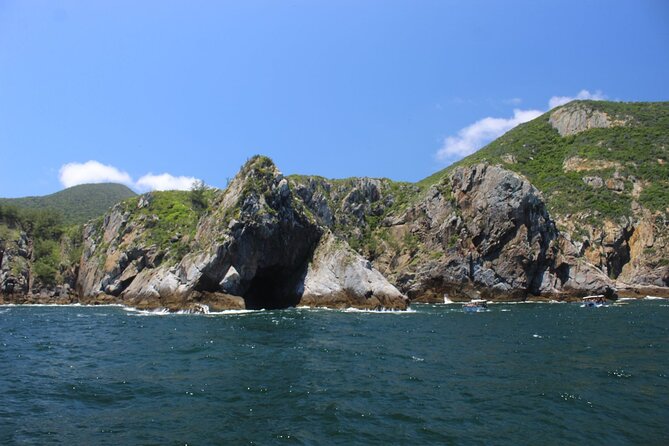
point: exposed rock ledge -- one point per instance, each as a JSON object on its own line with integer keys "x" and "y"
{"x": 576, "y": 117}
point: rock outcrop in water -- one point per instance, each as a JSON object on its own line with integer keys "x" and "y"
{"x": 258, "y": 247}
{"x": 482, "y": 230}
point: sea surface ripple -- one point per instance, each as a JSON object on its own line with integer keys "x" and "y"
{"x": 517, "y": 374}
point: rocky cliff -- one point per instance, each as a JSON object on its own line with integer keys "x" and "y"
{"x": 257, "y": 247}
{"x": 602, "y": 170}
{"x": 575, "y": 202}
{"x": 482, "y": 230}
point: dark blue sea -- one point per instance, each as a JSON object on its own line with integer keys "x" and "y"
{"x": 528, "y": 374}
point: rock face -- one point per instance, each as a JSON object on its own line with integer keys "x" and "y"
{"x": 15, "y": 255}
{"x": 577, "y": 117}
{"x": 483, "y": 230}
{"x": 338, "y": 277}
{"x": 631, "y": 250}
{"x": 256, "y": 248}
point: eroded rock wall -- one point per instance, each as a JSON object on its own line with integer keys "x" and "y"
{"x": 257, "y": 243}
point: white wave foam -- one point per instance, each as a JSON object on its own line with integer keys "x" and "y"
{"x": 654, "y": 298}
{"x": 357, "y": 310}
{"x": 224, "y": 312}
{"x": 167, "y": 312}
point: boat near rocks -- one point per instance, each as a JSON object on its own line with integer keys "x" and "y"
{"x": 594, "y": 301}
{"x": 475, "y": 306}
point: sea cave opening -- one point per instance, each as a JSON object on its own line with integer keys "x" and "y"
{"x": 272, "y": 288}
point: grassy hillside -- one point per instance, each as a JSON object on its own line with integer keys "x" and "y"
{"x": 635, "y": 156}
{"x": 76, "y": 204}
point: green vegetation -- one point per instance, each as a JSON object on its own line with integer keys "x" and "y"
{"x": 169, "y": 216}
{"x": 638, "y": 150}
{"x": 55, "y": 245}
{"x": 76, "y": 204}
{"x": 200, "y": 196}
{"x": 259, "y": 171}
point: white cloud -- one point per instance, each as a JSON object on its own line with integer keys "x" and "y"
{"x": 72, "y": 174}
{"x": 471, "y": 138}
{"x": 474, "y": 136}
{"x": 164, "y": 181}
{"x": 556, "y": 101}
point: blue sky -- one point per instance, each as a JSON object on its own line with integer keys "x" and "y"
{"x": 394, "y": 89}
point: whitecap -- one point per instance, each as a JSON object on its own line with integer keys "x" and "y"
{"x": 224, "y": 312}
{"x": 154, "y": 312}
{"x": 199, "y": 312}
{"x": 357, "y": 310}
{"x": 380, "y": 311}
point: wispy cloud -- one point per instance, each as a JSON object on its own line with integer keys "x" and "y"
{"x": 471, "y": 138}
{"x": 72, "y": 174}
{"x": 165, "y": 181}
{"x": 556, "y": 101}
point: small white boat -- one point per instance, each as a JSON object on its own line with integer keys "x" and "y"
{"x": 475, "y": 306}
{"x": 595, "y": 301}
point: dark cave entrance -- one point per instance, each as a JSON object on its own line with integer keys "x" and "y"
{"x": 272, "y": 288}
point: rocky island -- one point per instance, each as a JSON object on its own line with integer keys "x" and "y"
{"x": 572, "y": 203}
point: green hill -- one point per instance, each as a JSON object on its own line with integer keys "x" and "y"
{"x": 76, "y": 204}
{"x": 592, "y": 158}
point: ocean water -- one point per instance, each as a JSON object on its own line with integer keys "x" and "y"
{"x": 533, "y": 374}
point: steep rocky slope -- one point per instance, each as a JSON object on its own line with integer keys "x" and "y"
{"x": 602, "y": 169}
{"x": 481, "y": 230}
{"x": 257, "y": 247}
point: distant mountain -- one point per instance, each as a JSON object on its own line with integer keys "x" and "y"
{"x": 77, "y": 204}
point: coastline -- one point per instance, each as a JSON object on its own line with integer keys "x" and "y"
{"x": 215, "y": 303}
